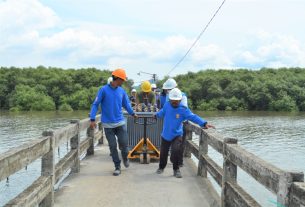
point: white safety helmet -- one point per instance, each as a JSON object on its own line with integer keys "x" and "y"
{"x": 153, "y": 85}
{"x": 175, "y": 94}
{"x": 133, "y": 91}
{"x": 169, "y": 84}
{"x": 109, "y": 80}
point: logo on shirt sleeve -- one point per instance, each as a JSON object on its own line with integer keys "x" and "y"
{"x": 177, "y": 116}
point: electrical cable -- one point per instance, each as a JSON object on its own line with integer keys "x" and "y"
{"x": 199, "y": 36}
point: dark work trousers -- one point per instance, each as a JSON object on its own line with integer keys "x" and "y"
{"x": 180, "y": 162}
{"x": 176, "y": 153}
{"x": 121, "y": 133}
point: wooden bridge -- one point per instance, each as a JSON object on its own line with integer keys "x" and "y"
{"x": 92, "y": 184}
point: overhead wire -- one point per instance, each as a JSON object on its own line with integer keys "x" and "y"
{"x": 199, "y": 36}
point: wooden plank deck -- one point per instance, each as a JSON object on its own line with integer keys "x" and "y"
{"x": 138, "y": 185}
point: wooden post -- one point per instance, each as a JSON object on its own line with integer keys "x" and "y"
{"x": 100, "y": 128}
{"x": 74, "y": 143}
{"x": 187, "y": 136}
{"x": 229, "y": 171}
{"x": 48, "y": 169}
{"x": 90, "y": 134}
{"x": 285, "y": 182}
{"x": 203, "y": 150}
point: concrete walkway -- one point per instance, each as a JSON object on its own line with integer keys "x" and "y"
{"x": 138, "y": 185}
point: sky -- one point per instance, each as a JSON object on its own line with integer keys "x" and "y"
{"x": 152, "y": 35}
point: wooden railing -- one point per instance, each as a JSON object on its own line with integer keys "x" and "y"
{"x": 41, "y": 191}
{"x": 289, "y": 187}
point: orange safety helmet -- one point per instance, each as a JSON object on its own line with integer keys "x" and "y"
{"x": 120, "y": 73}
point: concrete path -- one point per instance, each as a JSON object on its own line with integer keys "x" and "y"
{"x": 138, "y": 185}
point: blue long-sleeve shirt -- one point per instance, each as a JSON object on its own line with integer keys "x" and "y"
{"x": 173, "y": 118}
{"x": 112, "y": 100}
{"x": 162, "y": 100}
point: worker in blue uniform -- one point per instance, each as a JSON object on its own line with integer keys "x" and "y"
{"x": 112, "y": 97}
{"x": 173, "y": 114}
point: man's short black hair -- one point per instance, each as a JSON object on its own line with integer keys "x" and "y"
{"x": 114, "y": 78}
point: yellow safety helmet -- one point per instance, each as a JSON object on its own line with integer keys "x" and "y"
{"x": 146, "y": 87}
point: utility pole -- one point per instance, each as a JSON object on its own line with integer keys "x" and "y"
{"x": 154, "y": 75}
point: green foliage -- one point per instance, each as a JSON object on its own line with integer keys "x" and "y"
{"x": 79, "y": 100}
{"x": 286, "y": 103}
{"x": 302, "y": 106}
{"x": 208, "y": 106}
{"x": 14, "y": 109}
{"x": 280, "y": 89}
{"x": 45, "y": 103}
{"x": 26, "y": 98}
{"x": 50, "y": 88}
{"x": 65, "y": 107}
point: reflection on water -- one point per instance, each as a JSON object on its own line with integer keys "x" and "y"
{"x": 278, "y": 138}
{"x": 18, "y": 128}
{"x": 275, "y": 137}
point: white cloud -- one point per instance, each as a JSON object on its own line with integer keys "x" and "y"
{"x": 272, "y": 50}
{"x": 210, "y": 56}
{"x": 21, "y": 22}
{"x": 33, "y": 34}
{"x": 25, "y": 15}
{"x": 249, "y": 57}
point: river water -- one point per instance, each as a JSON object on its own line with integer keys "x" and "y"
{"x": 278, "y": 138}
